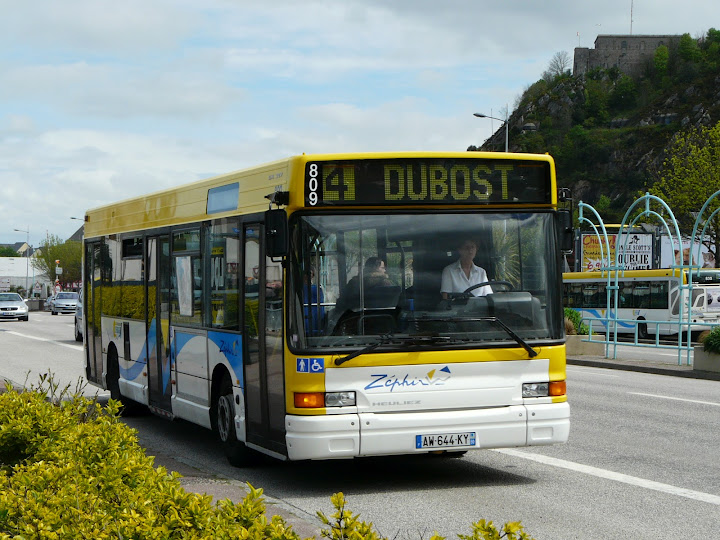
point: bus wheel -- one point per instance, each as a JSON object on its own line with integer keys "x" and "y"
{"x": 223, "y": 422}
{"x": 642, "y": 330}
{"x": 113, "y": 375}
{"x": 129, "y": 407}
{"x": 449, "y": 454}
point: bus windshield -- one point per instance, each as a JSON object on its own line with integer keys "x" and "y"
{"x": 421, "y": 278}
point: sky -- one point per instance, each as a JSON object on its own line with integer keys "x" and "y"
{"x": 103, "y": 100}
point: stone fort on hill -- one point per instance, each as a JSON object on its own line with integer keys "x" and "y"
{"x": 630, "y": 53}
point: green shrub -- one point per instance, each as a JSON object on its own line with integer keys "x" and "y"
{"x": 576, "y": 319}
{"x": 344, "y": 525}
{"x": 711, "y": 343}
{"x": 70, "y": 468}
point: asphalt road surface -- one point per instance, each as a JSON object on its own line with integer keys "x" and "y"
{"x": 643, "y": 460}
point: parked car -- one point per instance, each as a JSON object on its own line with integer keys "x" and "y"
{"x": 12, "y": 306}
{"x": 65, "y": 302}
{"x": 79, "y": 319}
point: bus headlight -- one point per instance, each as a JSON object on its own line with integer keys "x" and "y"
{"x": 340, "y": 399}
{"x": 535, "y": 390}
{"x": 544, "y": 389}
{"x": 315, "y": 400}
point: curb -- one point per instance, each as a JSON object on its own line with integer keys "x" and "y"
{"x": 678, "y": 371}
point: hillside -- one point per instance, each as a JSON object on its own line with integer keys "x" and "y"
{"x": 608, "y": 131}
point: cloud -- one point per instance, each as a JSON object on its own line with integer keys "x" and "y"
{"x": 105, "y": 100}
{"x": 119, "y": 92}
{"x": 95, "y": 27}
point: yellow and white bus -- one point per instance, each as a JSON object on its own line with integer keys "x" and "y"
{"x": 649, "y": 301}
{"x": 217, "y": 302}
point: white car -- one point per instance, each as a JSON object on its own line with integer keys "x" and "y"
{"x": 65, "y": 302}
{"x": 79, "y": 319}
{"x": 12, "y": 306}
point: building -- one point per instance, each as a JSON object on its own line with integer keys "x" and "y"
{"x": 629, "y": 53}
{"x": 21, "y": 248}
{"x": 16, "y": 272}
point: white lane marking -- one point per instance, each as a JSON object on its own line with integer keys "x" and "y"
{"x": 676, "y": 399}
{"x": 617, "y": 477}
{"x": 597, "y": 372}
{"x": 75, "y": 347}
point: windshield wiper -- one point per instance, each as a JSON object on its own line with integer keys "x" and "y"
{"x": 532, "y": 353}
{"x": 384, "y": 339}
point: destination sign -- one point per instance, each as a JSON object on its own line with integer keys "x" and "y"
{"x": 410, "y": 181}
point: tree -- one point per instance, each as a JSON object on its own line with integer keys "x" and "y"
{"x": 661, "y": 60}
{"x": 624, "y": 94}
{"x": 7, "y": 251}
{"x": 68, "y": 253}
{"x": 559, "y": 66}
{"x": 689, "y": 176}
{"x": 596, "y": 103}
{"x": 688, "y": 49}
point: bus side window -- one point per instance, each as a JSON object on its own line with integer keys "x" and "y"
{"x": 659, "y": 295}
{"x": 625, "y": 296}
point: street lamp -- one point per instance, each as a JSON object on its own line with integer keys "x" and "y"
{"x": 27, "y": 258}
{"x": 481, "y": 115}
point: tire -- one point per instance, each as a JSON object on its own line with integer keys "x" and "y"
{"x": 223, "y": 424}
{"x": 78, "y": 335}
{"x": 53, "y": 312}
{"x": 642, "y": 330}
{"x": 129, "y": 407}
{"x": 113, "y": 375}
{"x": 26, "y": 318}
{"x": 449, "y": 454}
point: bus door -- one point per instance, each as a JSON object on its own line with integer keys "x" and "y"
{"x": 263, "y": 344}
{"x": 158, "y": 320}
{"x": 92, "y": 288}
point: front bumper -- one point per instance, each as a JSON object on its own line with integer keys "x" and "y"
{"x": 371, "y": 434}
{"x": 13, "y": 313}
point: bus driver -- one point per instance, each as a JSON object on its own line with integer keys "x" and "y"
{"x": 464, "y": 273}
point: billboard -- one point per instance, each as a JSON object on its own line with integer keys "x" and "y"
{"x": 638, "y": 254}
{"x": 670, "y": 255}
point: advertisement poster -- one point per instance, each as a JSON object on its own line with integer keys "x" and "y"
{"x": 183, "y": 270}
{"x": 638, "y": 255}
{"x": 671, "y": 255}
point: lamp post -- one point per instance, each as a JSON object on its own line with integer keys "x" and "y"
{"x": 481, "y": 115}
{"x": 27, "y": 259}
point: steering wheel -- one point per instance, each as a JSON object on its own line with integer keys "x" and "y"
{"x": 467, "y": 292}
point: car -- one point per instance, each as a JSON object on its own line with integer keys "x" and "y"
{"x": 65, "y": 302}
{"x": 79, "y": 319}
{"x": 49, "y": 302}
{"x": 12, "y": 306}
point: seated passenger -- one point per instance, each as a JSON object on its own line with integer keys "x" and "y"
{"x": 374, "y": 275}
{"x": 374, "y": 281}
{"x": 313, "y": 298}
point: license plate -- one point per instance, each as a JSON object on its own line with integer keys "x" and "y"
{"x": 445, "y": 440}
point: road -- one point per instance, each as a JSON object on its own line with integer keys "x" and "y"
{"x": 642, "y": 460}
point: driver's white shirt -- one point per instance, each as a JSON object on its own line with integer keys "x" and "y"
{"x": 454, "y": 280}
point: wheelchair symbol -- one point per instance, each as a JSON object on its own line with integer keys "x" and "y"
{"x": 317, "y": 365}
{"x": 310, "y": 365}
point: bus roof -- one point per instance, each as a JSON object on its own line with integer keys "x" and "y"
{"x": 192, "y": 202}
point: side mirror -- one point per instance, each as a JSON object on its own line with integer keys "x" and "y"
{"x": 276, "y": 233}
{"x": 565, "y": 231}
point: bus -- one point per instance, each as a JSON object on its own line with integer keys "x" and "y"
{"x": 648, "y": 300}
{"x": 217, "y": 302}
